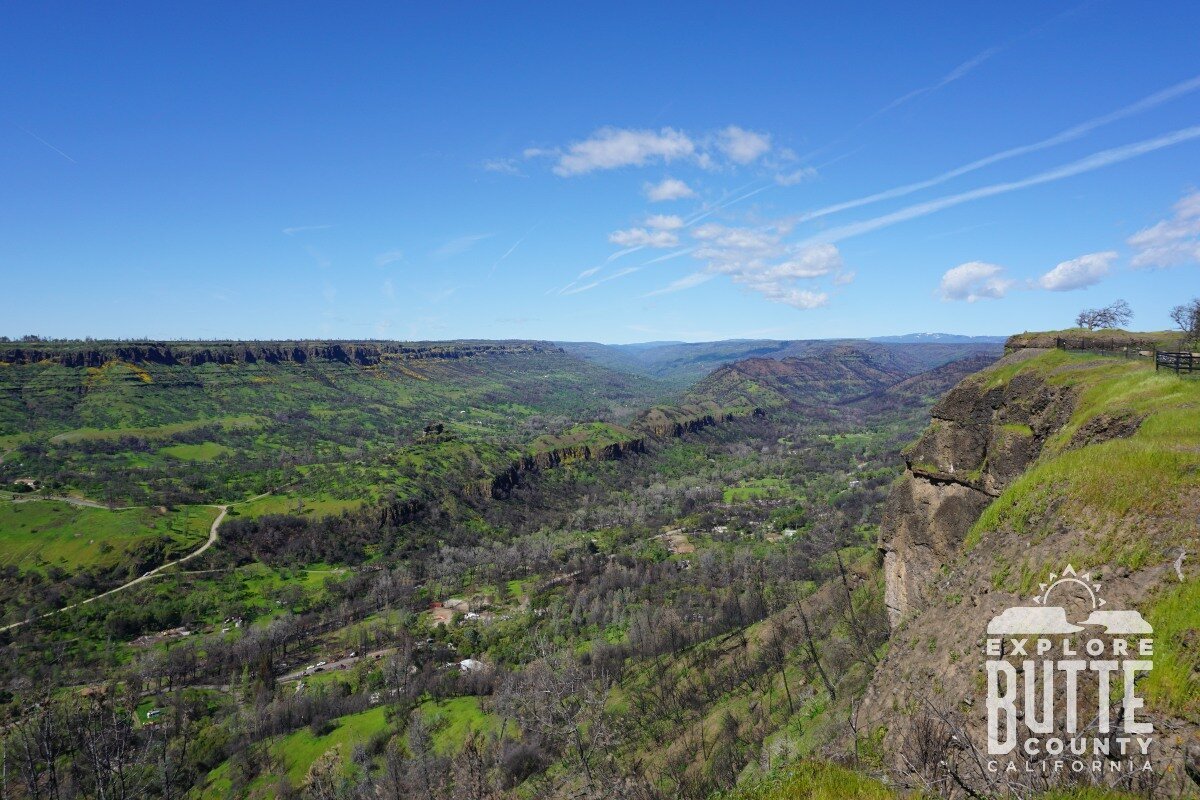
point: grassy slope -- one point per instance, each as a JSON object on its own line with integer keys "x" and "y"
{"x": 820, "y": 781}
{"x": 1151, "y": 478}
{"x": 1146, "y": 475}
{"x": 339, "y": 431}
{"x": 452, "y": 721}
{"x": 44, "y": 533}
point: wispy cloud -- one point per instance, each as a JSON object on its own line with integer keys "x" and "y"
{"x": 665, "y": 222}
{"x": 742, "y": 146}
{"x": 621, "y": 273}
{"x": 1078, "y": 273}
{"x": 668, "y": 189}
{"x": 1062, "y": 137}
{"x": 686, "y": 282}
{"x": 669, "y": 256}
{"x": 305, "y": 229}
{"x": 950, "y": 77}
{"x": 504, "y": 166}
{"x": 389, "y": 289}
{"x": 762, "y": 261}
{"x": 47, "y": 144}
{"x": 322, "y": 261}
{"x": 512, "y": 249}
{"x": 1092, "y": 162}
{"x": 460, "y": 245}
{"x": 644, "y": 238}
{"x": 1171, "y": 242}
{"x": 796, "y": 176}
{"x": 611, "y": 148}
{"x": 390, "y": 257}
{"x": 975, "y": 280}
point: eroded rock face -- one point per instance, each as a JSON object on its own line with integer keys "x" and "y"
{"x": 924, "y": 522}
{"x": 982, "y": 437}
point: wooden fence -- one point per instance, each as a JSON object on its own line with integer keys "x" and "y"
{"x": 1123, "y": 348}
{"x": 1180, "y": 362}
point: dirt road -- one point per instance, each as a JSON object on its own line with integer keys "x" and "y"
{"x": 212, "y": 538}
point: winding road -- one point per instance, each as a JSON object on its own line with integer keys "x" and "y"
{"x": 212, "y": 538}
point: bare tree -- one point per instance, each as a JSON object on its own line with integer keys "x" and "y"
{"x": 1114, "y": 315}
{"x": 1187, "y": 318}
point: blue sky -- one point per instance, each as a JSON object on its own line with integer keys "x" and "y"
{"x": 608, "y": 172}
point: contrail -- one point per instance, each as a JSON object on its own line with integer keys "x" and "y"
{"x": 510, "y": 250}
{"x": 1092, "y": 162}
{"x": 686, "y": 282}
{"x": 52, "y": 147}
{"x": 618, "y": 274}
{"x": 668, "y": 256}
{"x": 1068, "y": 135}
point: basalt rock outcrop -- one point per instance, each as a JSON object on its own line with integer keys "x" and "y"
{"x": 194, "y": 354}
{"x": 983, "y": 435}
{"x": 501, "y": 485}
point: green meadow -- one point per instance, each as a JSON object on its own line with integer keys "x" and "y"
{"x": 41, "y": 534}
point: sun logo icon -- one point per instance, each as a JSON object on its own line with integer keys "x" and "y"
{"x": 1070, "y": 576}
{"x": 1049, "y": 618}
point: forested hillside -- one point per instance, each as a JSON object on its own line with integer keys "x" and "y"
{"x": 476, "y": 569}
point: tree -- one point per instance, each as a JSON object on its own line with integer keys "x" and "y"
{"x": 1187, "y": 318}
{"x": 1114, "y": 315}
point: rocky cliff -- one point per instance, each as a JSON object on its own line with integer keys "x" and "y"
{"x": 195, "y": 354}
{"x": 1044, "y": 460}
{"x": 984, "y": 434}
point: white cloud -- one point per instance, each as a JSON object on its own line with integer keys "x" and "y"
{"x": 796, "y": 176}
{"x": 1171, "y": 242}
{"x": 665, "y": 222}
{"x": 640, "y": 237}
{"x": 760, "y": 260}
{"x": 668, "y": 189}
{"x": 505, "y": 166}
{"x": 975, "y": 280}
{"x": 611, "y": 148}
{"x": 742, "y": 146}
{"x": 1078, "y": 273}
{"x": 389, "y": 289}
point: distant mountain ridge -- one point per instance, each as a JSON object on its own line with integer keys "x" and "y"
{"x": 940, "y": 338}
{"x": 842, "y": 374}
{"x": 682, "y": 364}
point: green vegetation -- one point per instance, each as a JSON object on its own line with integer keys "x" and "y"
{"x": 1172, "y": 685}
{"x": 1139, "y": 476}
{"x": 449, "y": 570}
{"x": 205, "y": 451}
{"x": 39, "y": 534}
{"x": 454, "y": 719}
{"x": 814, "y": 780}
{"x": 297, "y": 752}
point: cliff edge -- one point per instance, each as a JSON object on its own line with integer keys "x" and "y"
{"x": 1045, "y": 460}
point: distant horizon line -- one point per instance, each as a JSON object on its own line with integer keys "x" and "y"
{"x": 6, "y": 340}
